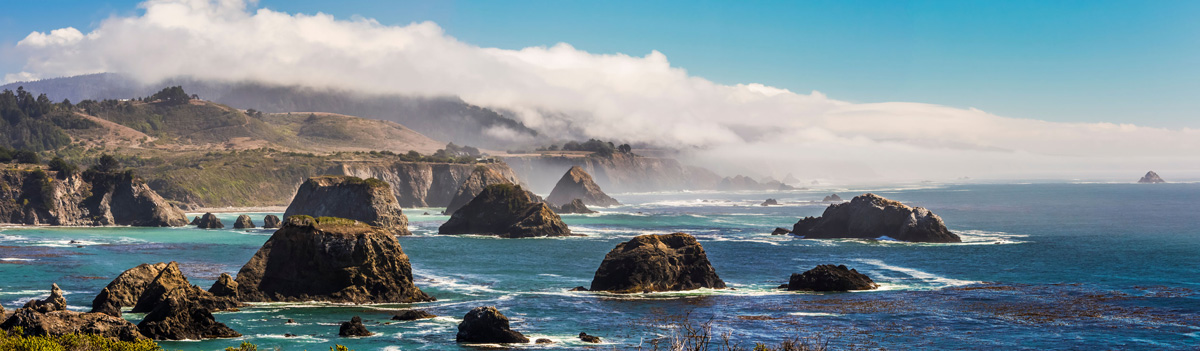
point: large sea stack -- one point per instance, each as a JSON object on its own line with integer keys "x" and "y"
{"x": 329, "y": 259}
{"x": 370, "y": 201}
{"x": 870, "y": 216}
{"x": 1151, "y": 178}
{"x": 479, "y": 179}
{"x": 169, "y": 279}
{"x": 178, "y": 316}
{"x": 652, "y": 262}
{"x": 487, "y": 325}
{"x": 505, "y": 210}
{"x": 124, "y": 290}
{"x": 34, "y": 196}
{"x": 577, "y": 184}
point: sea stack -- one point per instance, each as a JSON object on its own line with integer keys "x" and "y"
{"x": 124, "y": 290}
{"x": 370, "y": 201}
{"x": 169, "y": 279}
{"x": 832, "y": 198}
{"x": 243, "y": 222}
{"x": 329, "y": 259}
{"x": 271, "y": 222}
{"x": 577, "y": 184}
{"x": 479, "y": 179}
{"x": 871, "y": 216}
{"x": 210, "y": 221}
{"x": 33, "y": 196}
{"x": 487, "y": 325}
{"x": 653, "y": 262}
{"x": 505, "y": 210}
{"x": 178, "y": 316}
{"x": 828, "y": 277}
{"x": 576, "y": 206}
{"x": 1151, "y": 178}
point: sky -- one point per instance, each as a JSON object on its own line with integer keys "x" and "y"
{"x": 885, "y": 89}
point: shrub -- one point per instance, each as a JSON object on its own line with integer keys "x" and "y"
{"x": 15, "y": 340}
{"x": 65, "y": 169}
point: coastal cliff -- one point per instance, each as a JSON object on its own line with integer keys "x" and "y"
{"x": 34, "y": 196}
{"x": 420, "y": 184}
{"x": 618, "y": 173}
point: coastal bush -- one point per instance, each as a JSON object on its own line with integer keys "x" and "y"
{"x": 65, "y": 169}
{"x": 15, "y": 340}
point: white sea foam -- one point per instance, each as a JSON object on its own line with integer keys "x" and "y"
{"x": 814, "y": 314}
{"x": 917, "y": 279}
{"x": 16, "y": 259}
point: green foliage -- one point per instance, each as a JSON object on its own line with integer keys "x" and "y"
{"x": 26, "y": 156}
{"x": 245, "y": 346}
{"x": 65, "y": 169}
{"x": 454, "y": 151}
{"x": 15, "y": 340}
{"x": 36, "y": 123}
{"x": 172, "y": 96}
{"x": 107, "y": 164}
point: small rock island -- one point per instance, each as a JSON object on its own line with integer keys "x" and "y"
{"x": 871, "y": 216}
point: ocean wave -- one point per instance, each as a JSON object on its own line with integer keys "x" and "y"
{"x": 917, "y": 279}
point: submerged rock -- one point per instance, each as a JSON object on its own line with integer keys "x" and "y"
{"x": 210, "y": 221}
{"x": 412, "y": 315}
{"x": 178, "y": 316}
{"x": 329, "y": 259}
{"x": 479, "y": 179}
{"x": 832, "y": 198}
{"x": 770, "y": 202}
{"x": 577, "y": 184}
{"x": 243, "y": 222}
{"x": 124, "y": 290}
{"x": 224, "y": 286}
{"x": 575, "y": 206}
{"x": 271, "y": 222}
{"x": 780, "y": 231}
{"x": 35, "y": 323}
{"x": 652, "y": 262}
{"x": 54, "y": 302}
{"x": 828, "y": 277}
{"x": 505, "y": 210}
{"x": 487, "y": 325}
{"x": 370, "y": 201}
{"x": 1151, "y": 178}
{"x": 870, "y": 216}
{"x": 353, "y": 328}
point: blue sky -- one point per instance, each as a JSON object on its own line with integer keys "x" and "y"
{"x": 1085, "y": 61}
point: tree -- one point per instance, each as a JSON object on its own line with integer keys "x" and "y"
{"x": 65, "y": 169}
{"x": 26, "y": 156}
{"x": 171, "y": 95}
{"x": 107, "y": 164}
{"x": 625, "y": 148}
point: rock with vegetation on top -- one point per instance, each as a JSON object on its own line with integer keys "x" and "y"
{"x": 832, "y": 198}
{"x": 124, "y": 290}
{"x": 210, "y": 221}
{"x": 1151, "y": 178}
{"x": 353, "y": 328}
{"x": 505, "y": 210}
{"x": 178, "y": 316}
{"x": 370, "y": 201}
{"x": 412, "y": 315}
{"x": 870, "y": 216}
{"x": 487, "y": 325}
{"x": 34, "y": 196}
{"x": 479, "y": 179}
{"x": 271, "y": 222}
{"x": 329, "y": 259}
{"x": 652, "y": 262}
{"x": 243, "y": 222}
{"x": 170, "y": 279}
{"x": 828, "y": 277}
{"x": 577, "y": 184}
{"x": 224, "y": 286}
{"x": 575, "y": 206}
{"x": 55, "y": 323}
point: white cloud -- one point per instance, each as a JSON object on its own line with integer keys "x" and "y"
{"x": 746, "y": 127}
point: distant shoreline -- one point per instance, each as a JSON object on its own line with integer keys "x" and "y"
{"x": 257, "y": 209}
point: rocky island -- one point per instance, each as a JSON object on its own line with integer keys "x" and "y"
{"x": 505, "y": 210}
{"x": 871, "y": 216}
{"x": 578, "y": 184}
{"x": 370, "y": 201}
{"x": 829, "y": 277}
{"x": 1151, "y": 178}
{"x": 653, "y": 262}
{"x": 480, "y": 178}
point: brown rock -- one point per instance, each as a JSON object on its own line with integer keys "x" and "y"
{"x": 125, "y": 289}
{"x": 210, "y": 221}
{"x": 479, "y": 179}
{"x": 575, "y": 206}
{"x": 171, "y": 278}
{"x": 487, "y": 325}
{"x": 577, "y": 184}
{"x": 411, "y": 315}
{"x": 870, "y": 216}
{"x": 370, "y": 201}
{"x": 505, "y": 210}
{"x": 353, "y": 328}
{"x": 271, "y": 222}
{"x": 54, "y": 302}
{"x": 656, "y": 263}
{"x": 70, "y": 322}
{"x": 178, "y": 316}
{"x": 224, "y": 286}
{"x": 243, "y": 222}
{"x": 828, "y": 277}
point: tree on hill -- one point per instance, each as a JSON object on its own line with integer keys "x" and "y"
{"x": 107, "y": 164}
{"x": 172, "y": 95}
{"x": 65, "y": 169}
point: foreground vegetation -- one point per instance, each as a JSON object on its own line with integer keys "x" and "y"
{"x": 15, "y": 340}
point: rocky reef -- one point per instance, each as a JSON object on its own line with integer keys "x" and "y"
{"x": 578, "y": 184}
{"x": 654, "y": 262}
{"x": 1151, "y": 178}
{"x": 329, "y": 259}
{"x": 479, "y": 179}
{"x": 35, "y": 196}
{"x": 828, "y": 277}
{"x": 45, "y": 317}
{"x": 870, "y": 216}
{"x": 370, "y": 201}
{"x": 770, "y": 202}
{"x": 505, "y": 210}
{"x": 412, "y": 315}
{"x": 487, "y": 325}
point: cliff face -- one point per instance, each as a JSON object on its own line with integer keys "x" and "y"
{"x": 370, "y": 201}
{"x": 420, "y": 184}
{"x": 619, "y": 173}
{"x": 33, "y": 196}
{"x": 479, "y": 179}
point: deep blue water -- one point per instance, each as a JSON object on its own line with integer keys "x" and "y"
{"x": 1062, "y": 266}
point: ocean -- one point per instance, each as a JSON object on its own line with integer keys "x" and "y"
{"x": 1042, "y": 266}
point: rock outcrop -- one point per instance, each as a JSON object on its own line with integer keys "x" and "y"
{"x": 35, "y": 323}
{"x": 195, "y": 221}
{"x": 618, "y": 173}
{"x": 353, "y": 328}
{"x": 420, "y": 184}
{"x": 54, "y": 302}
{"x": 577, "y": 184}
{"x": 210, "y": 221}
{"x": 329, "y": 259}
{"x": 124, "y": 290}
{"x": 37, "y": 197}
{"x": 479, "y": 179}
{"x": 370, "y": 201}
{"x": 828, "y": 277}
{"x": 832, "y": 198}
{"x": 412, "y": 315}
{"x": 780, "y": 231}
{"x": 770, "y": 202}
{"x": 1151, "y": 178}
{"x": 104, "y": 303}
{"x": 178, "y": 316}
{"x": 505, "y": 210}
{"x": 171, "y": 279}
{"x": 656, "y": 263}
{"x": 243, "y": 222}
{"x": 487, "y": 325}
{"x": 589, "y": 338}
{"x": 224, "y": 286}
{"x": 271, "y": 222}
{"x": 576, "y": 206}
{"x": 870, "y": 216}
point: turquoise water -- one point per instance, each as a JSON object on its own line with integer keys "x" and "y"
{"x": 1096, "y": 266}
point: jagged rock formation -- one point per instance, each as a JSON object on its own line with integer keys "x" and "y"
{"x": 195, "y": 221}
{"x": 479, "y": 179}
{"x": 353, "y": 328}
{"x": 224, "y": 286}
{"x": 1151, "y": 178}
{"x": 656, "y": 263}
{"x": 770, "y": 202}
{"x": 178, "y": 316}
{"x": 420, "y": 184}
{"x": 578, "y": 184}
{"x": 36, "y": 323}
{"x": 617, "y": 173}
{"x": 210, "y": 221}
{"x": 487, "y": 325}
{"x": 370, "y": 201}
{"x": 124, "y": 290}
{"x": 870, "y": 216}
{"x": 329, "y": 259}
{"x": 780, "y": 231}
{"x": 54, "y": 302}
{"x": 271, "y": 222}
{"x": 832, "y": 198}
{"x": 171, "y": 279}
{"x": 828, "y": 277}
{"x": 589, "y": 338}
{"x": 34, "y": 196}
{"x": 505, "y": 210}
{"x": 575, "y": 206}
{"x": 243, "y": 222}
{"x": 412, "y": 315}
